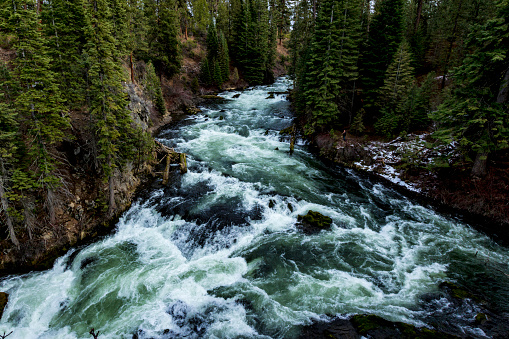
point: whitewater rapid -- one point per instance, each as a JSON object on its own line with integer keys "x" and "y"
{"x": 217, "y": 254}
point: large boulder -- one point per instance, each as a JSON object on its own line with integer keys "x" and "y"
{"x": 314, "y": 222}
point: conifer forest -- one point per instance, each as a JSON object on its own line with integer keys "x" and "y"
{"x": 88, "y": 89}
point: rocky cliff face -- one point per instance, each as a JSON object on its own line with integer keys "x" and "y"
{"x": 81, "y": 214}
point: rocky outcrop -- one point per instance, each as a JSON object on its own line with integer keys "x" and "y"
{"x": 141, "y": 109}
{"x": 81, "y": 212}
{"x": 314, "y": 222}
{"x": 369, "y": 326}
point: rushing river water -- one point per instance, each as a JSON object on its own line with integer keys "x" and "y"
{"x": 217, "y": 254}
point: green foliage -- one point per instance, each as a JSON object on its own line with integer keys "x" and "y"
{"x": 357, "y": 126}
{"x": 251, "y": 40}
{"x": 205, "y": 74}
{"x": 153, "y": 88}
{"x": 163, "y": 43}
{"x": 65, "y": 27}
{"x": 195, "y": 86}
{"x": 331, "y": 67}
{"x": 396, "y": 95}
{"x": 38, "y": 101}
{"x": 475, "y": 112}
{"x": 215, "y": 69}
{"x": 201, "y": 16}
{"x": 385, "y": 35}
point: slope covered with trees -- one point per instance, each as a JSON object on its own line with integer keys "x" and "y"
{"x": 401, "y": 66}
{"x": 69, "y": 70}
{"x": 71, "y": 73}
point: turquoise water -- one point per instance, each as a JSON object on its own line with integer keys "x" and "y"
{"x": 218, "y": 255}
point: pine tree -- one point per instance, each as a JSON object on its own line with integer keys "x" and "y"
{"x": 239, "y": 32}
{"x": 8, "y": 147}
{"x": 152, "y": 87}
{"x": 201, "y": 16}
{"x": 395, "y": 94}
{"x": 300, "y": 38}
{"x": 38, "y": 103}
{"x": 65, "y": 35}
{"x": 332, "y": 63}
{"x": 108, "y": 102}
{"x": 163, "y": 44}
{"x": 254, "y": 66}
{"x": 205, "y": 74}
{"x": 385, "y": 35}
{"x": 475, "y": 114}
{"x": 224, "y": 57}
{"x": 449, "y": 27}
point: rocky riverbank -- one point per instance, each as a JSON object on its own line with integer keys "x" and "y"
{"x": 407, "y": 163}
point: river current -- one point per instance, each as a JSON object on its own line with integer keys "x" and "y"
{"x": 217, "y": 253}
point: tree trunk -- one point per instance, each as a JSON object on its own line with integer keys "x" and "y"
{"x": 5, "y": 207}
{"x": 451, "y": 43}
{"x": 50, "y": 205}
{"x": 503, "y": 93}
{"x": 418, "y": 18}
{"x": 111, "y": 188}
{"x": 480, "y": 168}
{"x": 132, "y": 67}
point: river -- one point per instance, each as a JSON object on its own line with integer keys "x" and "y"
{"x": 217, "y": 254}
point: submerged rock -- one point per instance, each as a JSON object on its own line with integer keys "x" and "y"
{"x": 314, "y": 222}
{"x": 212, "y": 97}
{"x": 368, "y": 326}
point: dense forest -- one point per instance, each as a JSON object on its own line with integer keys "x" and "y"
{"x": 402, "y": 66}
{"x": 391, "y": 66}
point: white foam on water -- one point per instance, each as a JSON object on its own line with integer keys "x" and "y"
{"x": 381, "y": 254}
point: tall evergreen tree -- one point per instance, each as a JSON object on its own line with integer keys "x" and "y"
{"x": 65, "y": 35}
{"x": 224, "y": 57}
{"x": 38, "y": 103}
{"x": 300, "y": 38}
{"x": 385, "y": 35}
{"x": 201, "y": 15}
{"x": 8, "y": 148}
{"x": 395, "y": 94}
{"x": 476, "y": 113}
{"x": 163, "y": 36}
{"x": 238, "y": 37}
{"x": 332, "y": 63}
{"x": 108, "y": 102}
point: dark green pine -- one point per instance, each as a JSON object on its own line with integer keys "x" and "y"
{"x": 65, "y": 31}
{"x": 385, "y": 34}
{"x": 320, "y": 83}
{"x": 39, "y": 104}
{"x": 163, "y": 43}
{"x": 224, "y": 58}
{"x": 476, "y": 113}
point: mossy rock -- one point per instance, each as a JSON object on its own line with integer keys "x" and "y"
{"x": 287, "y": 131}
{"x": 4, "y": 298}
{"x": 236, "y": 96}
{"x": 212, "y": 97}
{"x": 458, "y": 292}
{"x": 192, "y": 110}
{"x": 481, "y": 318}
{"x": 314, "y": 222}
{"x": 271, "y": 96}
{"x": 374, "y": 326}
